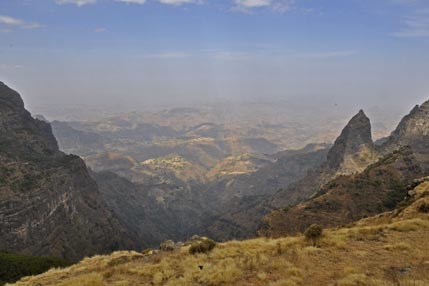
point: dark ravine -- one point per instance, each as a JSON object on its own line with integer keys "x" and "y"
{"x": 49, "y": 205}
{"x": 228, "y": 209}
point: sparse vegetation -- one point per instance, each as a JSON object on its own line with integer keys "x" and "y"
{"x": 386, "y": 250}
{"x": 262, "y": 262}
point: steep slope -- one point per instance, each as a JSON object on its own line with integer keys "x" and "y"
{"x": 354, "y": 149}
{"x": 49, "y": 205}
{"x": 413, "y": 131}
{"x": 374, "y": 190}
{"x": 77, "y": 141}
{"x": 390, "y": 249}
{"x": 348, "y": 198}
{"x": 351, "y": 153}
{"x": 154, "y": 212}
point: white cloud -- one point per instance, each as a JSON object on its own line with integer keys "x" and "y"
{"x": 415, "y": 26}
{"x": 10, "y": 67}
{"x": 283, "y": 6}
{"x": 180, "y": 2}
{"x": 252, "y": 3}
{"x": 326, "y": 55}
{"x": 100, "y": 30}
{"x": 280, "y": 6}
{"x": 233, "y": 55}
{"x": 167, "y": 55}
{"x": 76, "y": 2}
{"x": 132, "y": 1}
{"x": 7, "y": 20}
{"x": 12, "y": 22}
{"x": 167, "y": 2}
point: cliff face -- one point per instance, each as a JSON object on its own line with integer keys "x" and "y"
{"x": 352, "y": 195}
{"x": 351, "y": 153}
{"x": 49, "y": 205}
{"x": 412, "y": 127}
{"x": 349, "y": 198}
{"x": 413, "y": 131}
{"x": 354, "y": 149}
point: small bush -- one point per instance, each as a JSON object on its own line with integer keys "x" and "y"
{"x": 313, "y": 233}
{"x": 168, "y": 246}
{"x": 203, "y": 246}
{"x": 424, "y": 208}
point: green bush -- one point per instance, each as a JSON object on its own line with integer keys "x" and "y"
{"x": 13, "y": 267}
{"x": 203, "y": 246}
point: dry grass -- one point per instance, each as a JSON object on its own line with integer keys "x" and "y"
{"x": 386, "y": 251}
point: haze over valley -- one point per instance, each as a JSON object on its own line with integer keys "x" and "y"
{"x": 222, "y": 143}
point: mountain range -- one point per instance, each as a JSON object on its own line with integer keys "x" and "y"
{"x": 147, "y": 182}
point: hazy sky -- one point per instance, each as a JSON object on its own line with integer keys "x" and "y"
{"x": 362, "y": 52}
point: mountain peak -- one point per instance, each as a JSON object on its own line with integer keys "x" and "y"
{"x": 413, "y": 131}
{"x": 9, "y": 99}
{"x": 354, "y": 147}
{"x": 425, "y": 105}
{"x": 20, "y": 134}
{"x": 360, "y": 116}
{"x": 412, "y": 128}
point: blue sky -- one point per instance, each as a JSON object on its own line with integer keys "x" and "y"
{"x": 365, "y": 52}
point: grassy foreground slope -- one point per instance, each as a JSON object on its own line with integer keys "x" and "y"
{"x": 389, "y": 249}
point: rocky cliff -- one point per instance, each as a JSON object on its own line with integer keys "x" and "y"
{"x": 353, "y": 195}
{"x": 413, "y": 131}
{"x": 354, "y": 149}
{"x": 49, "y": 205}
{"x": 351, "y": 153}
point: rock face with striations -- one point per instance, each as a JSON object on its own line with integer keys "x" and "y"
{"x": 413, "y": 131}
{"x": 49, "y": 205}
{"x": 354, "y": 149}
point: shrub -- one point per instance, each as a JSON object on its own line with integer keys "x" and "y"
{"x": 203, "y": 246}
{"x": 168, "y": 245}
{"x": 424, "y": 208}
{"x": 313, "y": 233}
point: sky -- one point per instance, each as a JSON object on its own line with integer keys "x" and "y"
{"x": 147, "y": 52}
